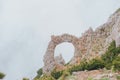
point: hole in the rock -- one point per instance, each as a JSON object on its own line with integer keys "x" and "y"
{"x": 66, "y": 50}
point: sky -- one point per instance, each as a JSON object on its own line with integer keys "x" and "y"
{"x": 26, "y": 27}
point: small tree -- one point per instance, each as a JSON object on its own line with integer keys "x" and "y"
{"x": 56, "y": 74}
{"x": 95, "y": 64}
{"x": 2, "y": 75}
{"x": 116, "y": 63}
{"x": 40, "y": 72}
{"x": 111, "y": 55}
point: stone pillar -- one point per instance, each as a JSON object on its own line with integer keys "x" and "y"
{"x": 49, "y": 62}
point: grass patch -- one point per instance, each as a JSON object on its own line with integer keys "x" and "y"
{"x": 105, "y": 79}
{"x": 118, "y": 77}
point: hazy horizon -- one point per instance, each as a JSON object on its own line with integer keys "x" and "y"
{"x": 26, "y": 27}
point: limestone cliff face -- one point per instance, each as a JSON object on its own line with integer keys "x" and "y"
{"x": 89, "y": 45}
{"x": 95, "y": 43}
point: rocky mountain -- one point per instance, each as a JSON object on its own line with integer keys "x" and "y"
{"x": 92, "y": 44}
{"x": 89, "y": 45}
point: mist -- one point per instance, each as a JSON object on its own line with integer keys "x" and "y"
{"x": 26, "y": 27}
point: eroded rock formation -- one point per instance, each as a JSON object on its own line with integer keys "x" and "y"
{"x": 59, "y": 60}
{"x": 49, "y": 60}
{"x": 89, "y": 45}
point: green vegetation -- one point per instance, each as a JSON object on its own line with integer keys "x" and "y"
{"x": 64, "y": 75}
{"x": 84, "y": 65}
{"x": 90, "y": 78}
{"x": 70, "y": 77}
{"x": 116, "y": 63}
{"x": 56, "y": 74}
{"x": 118, "y": 77}
{"x": 105, "y": 79}
{"x": 39, "y": 73}
{"x": 25, "y": 78}
{"x": 110, "y": 57}
{"x": 91, "y": 65}
{"x": 45, "y": 77}
{"x": 2, "y": 75}
{"x": 95, "y": 64}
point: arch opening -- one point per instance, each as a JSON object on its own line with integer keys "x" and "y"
{"x": 66, "y": 50}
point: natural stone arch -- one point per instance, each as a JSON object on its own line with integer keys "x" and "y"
{"x": 49, "y": 61}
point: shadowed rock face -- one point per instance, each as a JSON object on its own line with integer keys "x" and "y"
{"x": 90, "y": 45}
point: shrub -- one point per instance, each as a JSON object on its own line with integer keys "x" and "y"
{"x": 45, "y": 77}
{"x": 56, "y": 74}
{"x": 25, "y": 78}
{"x": 90, "y": 78}
{"x": 95, "y": 64}
{"x": 40, "y": 72}
{"x": 118, "y": 77}
{"x": 105, "y": 79}
{"x": 76, "y": 68}
{"x": 2, "y": 75}
{"x": 116, "y": 63}
{"x": 110, "y": 55}
{"x": 64, "y": 75}
{"x": 91, "y": 65}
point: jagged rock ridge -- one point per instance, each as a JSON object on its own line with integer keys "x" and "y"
{"x": 89, "y": 45}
